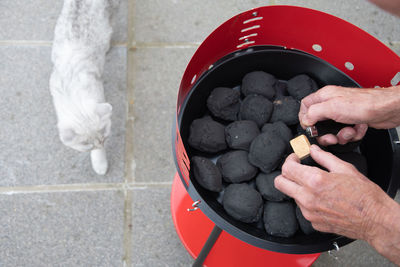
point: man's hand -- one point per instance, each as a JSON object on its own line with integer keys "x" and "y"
{"x": 374, "y": 107}
{"x": 341, "y": 201}
{"x": 392, "y": 6}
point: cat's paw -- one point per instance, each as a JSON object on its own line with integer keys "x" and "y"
{"x": 100, "y": 168}
{"x": 99, "y": 161}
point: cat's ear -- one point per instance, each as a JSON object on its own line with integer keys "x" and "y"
{"x": 67, "y": 135}
{"x": 104, "y": 110}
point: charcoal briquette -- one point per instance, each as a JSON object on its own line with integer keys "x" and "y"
{"x": 259, "y": 83}
{"x": 357, "y": 159}
{"x": 207, "y": 174}
{"x": 235, "y": 167}
{"x": 280, "y": 219}
{"x": 281, "y": 89}
{"x": 243, "y": 203}
{"x": 256, "y": 108}
{"x": 266, "y": 151}
{"x": 286, "y": 109}
{"x": 224, "y": 103}
{"x": 239, "y": 134}
{"x": 279, "y": 128}
{"x": 266, "y": 187}
{"x": 304, "y": 224}
{"x": 301, "y": 86}
{"x": 207, "y": 135}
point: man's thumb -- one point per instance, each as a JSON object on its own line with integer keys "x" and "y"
{"x": 327, "y": 160}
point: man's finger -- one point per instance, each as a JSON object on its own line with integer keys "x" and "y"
{"x": 305, "y": 104}
{"x": 306, "y": 212}
{"x": 328, "y": 160}
{"x": 327, "y": 140}
{"x": 287, "y": 186}
{"x": 298, "y": 173}
{"x": 346, "y": 135}
{"x": 361, "y": 129}
{"x": 319, "y": 112}
{"x": 311, "y": 99}
{"x": 293, "y": 157}
{"x": 323, "y": 94}
{"x": 302, "y": 112}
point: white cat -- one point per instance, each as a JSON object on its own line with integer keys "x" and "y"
{"x": 81, "y": 40}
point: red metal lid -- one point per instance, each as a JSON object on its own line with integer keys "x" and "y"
{"x": 350, "y": 49}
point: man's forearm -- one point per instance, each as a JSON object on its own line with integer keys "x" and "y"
{"x": 384, "y": 235}
{"x": 392, "y": 6}
{"x": 381, "y": 107}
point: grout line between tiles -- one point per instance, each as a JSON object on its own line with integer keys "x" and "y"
{"x": 79, "y": 187}
{"x": 42, "y": 43}
{"x": 162, "y": 45}
{"x": 24, "y": 43}
{"x": 130, "y": 164}
{"x": 391, "y": 43}
{"x": 127, "y": 240}
{"x": 60, "y": 188}
{"x": 151, "y": 183}
{"x": 146, "y": 186}
{"x": 134, "y": 44}
{"x": 129, "y": 155}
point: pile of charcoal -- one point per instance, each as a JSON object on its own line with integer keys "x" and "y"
{"x": 243, "y": 139}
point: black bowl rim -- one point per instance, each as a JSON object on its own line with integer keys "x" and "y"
{"x": 336, "y": 240}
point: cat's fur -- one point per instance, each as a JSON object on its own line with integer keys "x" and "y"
{"x": 81, "y": 40}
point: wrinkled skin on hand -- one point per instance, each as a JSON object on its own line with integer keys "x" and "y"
{"x": 339, "y": 201}
{"x": 374, "y": 107}
{"x": 342, "y": 201}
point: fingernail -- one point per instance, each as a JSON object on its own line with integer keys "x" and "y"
{"x": 347, "y": 136}
{"x": 305, "y": 120}
{"x": 315, "y": 147}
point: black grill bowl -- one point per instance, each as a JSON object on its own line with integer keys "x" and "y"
{"x": 378, "y": 146}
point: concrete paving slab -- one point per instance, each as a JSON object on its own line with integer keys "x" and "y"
{"x": 183, "y": 21}
{"x": 188, "y": 21}
{"x": 361, "y": 13}
{"x": 19, "y": 22}
{"x": 30, "y": 150}
{"x": 156, "y": 74}
{"x": 62, "y": 229}
{"x": 357, "y": 254}
{"x": 395, "y": 48}
{"x": 154, "y": 240}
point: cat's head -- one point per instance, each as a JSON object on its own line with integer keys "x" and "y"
{"x": 87, "y": 129}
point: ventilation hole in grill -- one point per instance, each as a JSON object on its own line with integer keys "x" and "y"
{"x": 349, "y": 65}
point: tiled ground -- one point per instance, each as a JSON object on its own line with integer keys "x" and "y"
{"x": 156, "y": 85}
{"x": 54, "y": 210}
{"x": 62, "y": 229}
{"x": 36, "y": 156}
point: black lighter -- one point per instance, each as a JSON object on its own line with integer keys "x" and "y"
{"x": 326, "y": 127}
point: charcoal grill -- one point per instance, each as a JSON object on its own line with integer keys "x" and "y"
{"x": 284, "y": 41}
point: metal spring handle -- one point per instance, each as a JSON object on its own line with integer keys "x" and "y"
{"x": 333, "y": 252}
{"x": 194, "y": 205}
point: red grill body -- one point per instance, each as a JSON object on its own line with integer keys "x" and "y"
{"x": 344, "y": 46}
